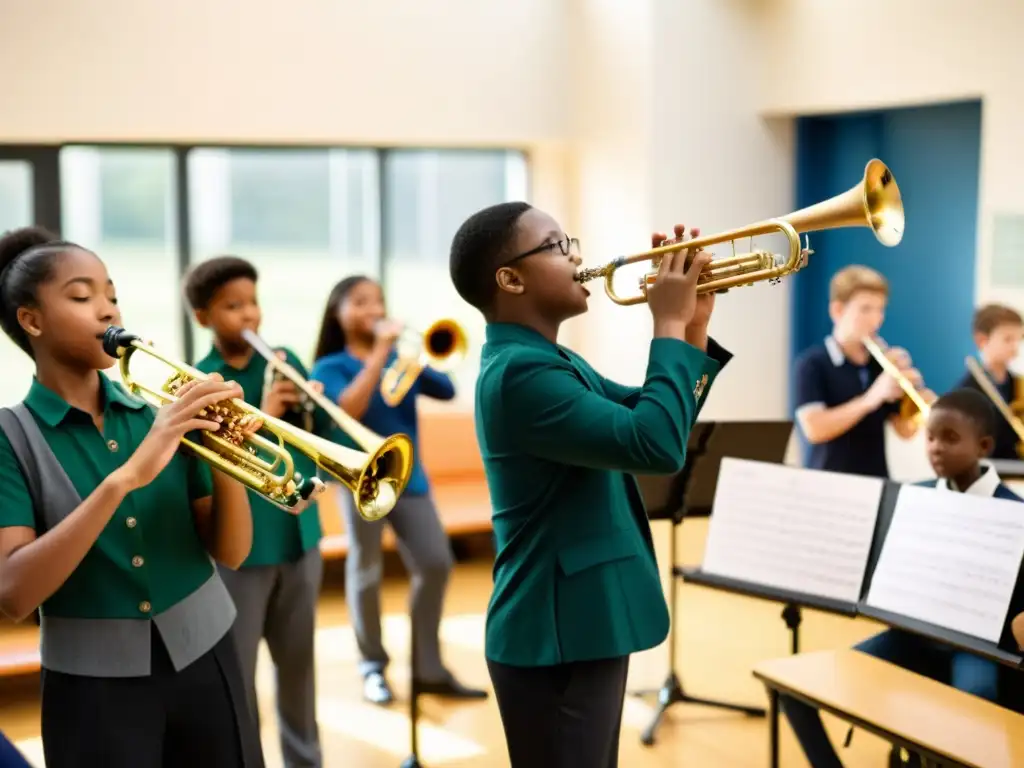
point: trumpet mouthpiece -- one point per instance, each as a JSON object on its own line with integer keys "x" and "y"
{"x": 586, "y": 275}
{"x": 115, "y": 339}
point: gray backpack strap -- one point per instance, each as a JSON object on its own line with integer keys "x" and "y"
{"x": 53, "y": 495}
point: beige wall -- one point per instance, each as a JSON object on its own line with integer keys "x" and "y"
{"x": 387, "y": 71}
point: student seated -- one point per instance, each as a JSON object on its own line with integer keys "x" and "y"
{"x": 960, "y": 433}
{"x": 997, "y": 334}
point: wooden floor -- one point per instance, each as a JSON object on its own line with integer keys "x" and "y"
{"x": 720, "y": 637}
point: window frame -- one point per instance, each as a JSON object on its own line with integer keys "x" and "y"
{"x": 45, "y": 159}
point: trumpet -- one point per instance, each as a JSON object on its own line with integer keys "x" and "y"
{"x": 997, "y": 399}
{"x": 913, "y": 406}
{"x": 442, "y": 346}
{"x": 874, "y": 202}
{"x": 376, "y": 478}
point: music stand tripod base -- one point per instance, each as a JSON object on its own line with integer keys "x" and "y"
{"x": 672, "y": 692}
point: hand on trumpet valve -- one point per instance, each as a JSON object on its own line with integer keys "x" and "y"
{"x": 705, "y": 301}
{"x": 673, "y": 297}
{"x": 198, "y": 406}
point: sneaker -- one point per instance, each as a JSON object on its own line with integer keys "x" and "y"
{"x": 376, "y": 689}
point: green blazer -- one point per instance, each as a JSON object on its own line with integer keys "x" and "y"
{"x": 575, "y": 576}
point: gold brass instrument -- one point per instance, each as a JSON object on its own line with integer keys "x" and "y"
{"x": 376, "y": 478}
{"x": 442, "y": 346}
{"x": 874, "y": 202}
{"x": 913, "y": 406}
{"x": 1004, "y": 408}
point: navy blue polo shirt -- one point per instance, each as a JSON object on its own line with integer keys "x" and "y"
{"x": 824, "y": 377}
{"x": 1005, "y": 438}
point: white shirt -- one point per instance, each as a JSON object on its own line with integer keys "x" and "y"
{"x": 985, "y": 485}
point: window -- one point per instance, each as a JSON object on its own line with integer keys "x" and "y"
{"x": 305, "y": 219}
{"x": 120, "y": 203}
{"x": 427, "y": 196}
{"x": 16, "y": 210}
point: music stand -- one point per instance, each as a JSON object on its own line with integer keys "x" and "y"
{"x": 691, "y": 493}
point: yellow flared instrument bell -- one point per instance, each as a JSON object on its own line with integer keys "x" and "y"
{"x": 914, "y": 406}
{"x": 874, "y": 202}
{"x": 376, "y": 478}
{"x": 443, "y": 346}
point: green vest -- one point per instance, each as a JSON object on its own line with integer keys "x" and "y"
{"x": 575, "y": 574}
{"x": 149, "y": 557}
{"x": 277, "y": 536}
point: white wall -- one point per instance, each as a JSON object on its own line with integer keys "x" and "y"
{"x": 388, "y": 71}
{"x": 668, "y": 133}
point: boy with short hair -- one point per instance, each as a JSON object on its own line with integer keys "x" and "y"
{"x": 960, "y": 432}
{"x": 843, "y": 397}
{"x": 576, "y": 584}
{"x": 277, "y": 587}
{"x": 997, "y": 331}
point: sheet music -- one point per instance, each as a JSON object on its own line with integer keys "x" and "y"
{"x": 951, "y": 560}
{"x": 797, "y": 529}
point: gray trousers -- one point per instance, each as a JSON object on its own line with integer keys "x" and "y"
{"x": 278, "y": 603}
{"x": 427, "y": 554}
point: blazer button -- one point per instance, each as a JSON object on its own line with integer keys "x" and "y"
{"x": 137, "y": 561}
{"x": 131, "y": 522}
{"x": 112, "y": 445}
{"x": 145, "y": 607}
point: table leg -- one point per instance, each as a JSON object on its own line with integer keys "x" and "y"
{"x": 773, "y": 733}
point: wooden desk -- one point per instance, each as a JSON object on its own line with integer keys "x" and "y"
{"x": 939, "y": 722}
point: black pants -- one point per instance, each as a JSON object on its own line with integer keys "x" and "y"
{"x": 195, "y": 718}
{"x": 565, "y": 716}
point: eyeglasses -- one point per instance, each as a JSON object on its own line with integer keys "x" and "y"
{"x": 569, "y": 246}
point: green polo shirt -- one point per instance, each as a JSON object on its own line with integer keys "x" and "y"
{"x": 149, "y": 557}
{"x": 277, "y": 537}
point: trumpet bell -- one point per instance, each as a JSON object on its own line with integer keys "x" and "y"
{"x": 443, "y": 346}
{"x": 376, "y": 478}
{"x": 875, "y": 202}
